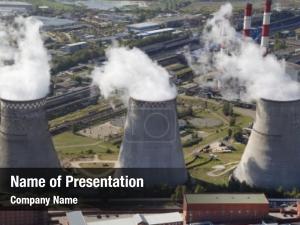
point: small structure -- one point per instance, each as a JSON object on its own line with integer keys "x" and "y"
{"x": 143, "y": 27}
{"x": 75, "y": 218}
{"x": 225, "y": 208}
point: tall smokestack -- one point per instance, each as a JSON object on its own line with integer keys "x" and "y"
{"x": 247, "y": 20}
{"x": 271, "y": 158}
{"x": 25, "y": 141}
{"x": 152, "y": 140}
{"x": 266, "y": 25}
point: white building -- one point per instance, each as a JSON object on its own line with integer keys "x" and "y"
{"x": 143, "y": 27}
{"x": 175, "y": 218}
{"x": 8, "y": 8}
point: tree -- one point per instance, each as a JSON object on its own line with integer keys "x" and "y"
{"x": 195, "y": 135}
{"x": 227, "y": 109}
{"x": 238, "y": 135}
{"x": 90, "y": 152}
{"x": 78, "y": 79}
{"x": 74, "y": 128}
{"x": 229, "y": 132}
{"x": 109, "y": 151}
{"x": 279, "y": 43}
{"x": 178, "y": 194}
{"x": 199, "y": 189}
{"x": 232, "y": 121}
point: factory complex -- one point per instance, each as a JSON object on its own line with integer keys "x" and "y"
{"x": 142, "y": 97}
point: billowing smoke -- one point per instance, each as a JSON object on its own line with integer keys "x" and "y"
{"x": 243, "y": 70}
{"x": 24, "y": 67}
{"x": 131, "y": 73}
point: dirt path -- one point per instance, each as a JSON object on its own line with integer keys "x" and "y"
{"x": 222, "y": 169}
{"x": 76, "y": 164}
{"x": 80, "y": 145}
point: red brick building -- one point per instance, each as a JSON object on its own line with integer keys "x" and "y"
{"x": 225, "y": 208}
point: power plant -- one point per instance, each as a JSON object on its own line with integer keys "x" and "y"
{"x": 152, "y": 140}
{"x": 24, "y": 136}
{"x": 272, "y": 155}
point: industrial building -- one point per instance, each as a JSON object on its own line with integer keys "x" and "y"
{"x": 272, "y": 155}
{"x": 175, "y": 218}
{"x": 14, "y": 5}
{"x": 155, "y": 32}
{"x": 225, "y": 208}
{"x": 151, "y": 140}
{"x": 143, "y": 27}
{"x": 74, "y": 47}
{"x": 71, "y": 101}
{"x": 24, "y": 136}
{"x": 54, "y": 23}
{"x": 180, "y": 20}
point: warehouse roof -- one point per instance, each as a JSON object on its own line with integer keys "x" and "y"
{"x": 150, "y": 219}
{"x": 14, "y": 3}
{"x": 158, "y": 31}
{"x": 77, "y": 44}
{"x": 54, "y": 21}
{"x": 226, "y": 199}
{"x": 143, "y": 25}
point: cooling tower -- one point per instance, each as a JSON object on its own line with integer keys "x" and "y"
{"x": 25, "y": 141}
{"x": 271, "y": 158}
{"x": 151, "y": 139}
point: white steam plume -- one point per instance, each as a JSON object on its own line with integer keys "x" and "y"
{"x": 244, "y": 72}
{"x": 24, "y": 62}
{"x": 132, "y": 73}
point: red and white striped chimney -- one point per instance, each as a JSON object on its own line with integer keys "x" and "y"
{"x": 247, "y": 20}
{"x": 266, "y": 25}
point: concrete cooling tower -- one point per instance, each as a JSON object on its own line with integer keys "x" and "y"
{"x": 25, "y": 141}
{"x": 271, "y": 158}
{"x": 152, "y": 140}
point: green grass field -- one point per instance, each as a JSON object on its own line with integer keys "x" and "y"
{"x": 69, "y": 145}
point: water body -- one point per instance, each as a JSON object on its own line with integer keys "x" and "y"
{"x": 106, "y": 4}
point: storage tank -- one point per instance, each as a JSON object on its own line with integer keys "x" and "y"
{"x": 272, "y": 155}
